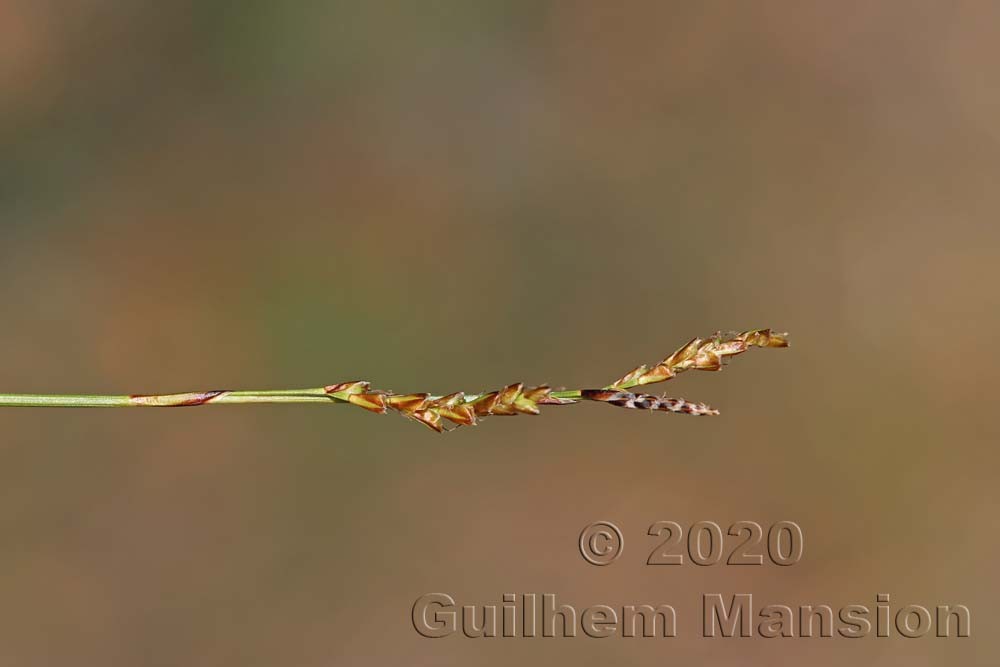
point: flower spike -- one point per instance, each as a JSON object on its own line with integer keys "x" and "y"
{"x": 459, "y": 408}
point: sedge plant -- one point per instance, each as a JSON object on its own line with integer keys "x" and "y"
{"x": 458, "y": 408}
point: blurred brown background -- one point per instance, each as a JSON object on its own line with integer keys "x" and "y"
{"x": 456, "y": 195}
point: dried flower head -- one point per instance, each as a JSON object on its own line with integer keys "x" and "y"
{"x": 706, "y": 354}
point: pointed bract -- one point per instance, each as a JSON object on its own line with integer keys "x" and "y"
{"x": 408, "y": 402}
{"x": 428, "y": 418}
{"x": 353, "y": 387}
{"x": 372, "y": 402}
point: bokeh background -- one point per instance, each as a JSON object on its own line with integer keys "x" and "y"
{"x": 457, "y": 195}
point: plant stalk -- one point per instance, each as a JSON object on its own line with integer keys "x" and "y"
{"x": 708, "y": 354}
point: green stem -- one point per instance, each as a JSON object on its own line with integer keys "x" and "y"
{"x": 62, "y": 401}
{"x": 316, "y": 395}
{"x": 313, "y": 395}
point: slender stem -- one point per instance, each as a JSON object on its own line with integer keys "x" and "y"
{"x": 62, "y": 401}
{"x": 571, "y": 394}
{"x": 314, "y": 395}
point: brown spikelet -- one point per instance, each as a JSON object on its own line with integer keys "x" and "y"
{"x": 632, "y": 377}
{"x": 408, "y": 402}
{"x": 543, "y": 396}
{"x": 525, "y": 407}
{"x": 428, "y": 418}
{"x": 453, "y": 408}
{"x": 373, "y": 402}
{"x": 505, "y": 400}
{"x": 709, "y": 354}
{"x": 484, "y": 405}
{"x": 463, "y": 415}
{"x": 449, "y": 400}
